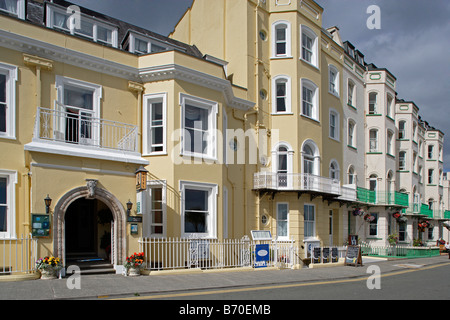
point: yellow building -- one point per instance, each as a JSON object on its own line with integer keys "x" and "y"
{"x": 87, "y": 108}
{"x": 292, "y": 69}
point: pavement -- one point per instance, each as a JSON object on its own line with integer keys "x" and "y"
{"x": 114, "y": 286}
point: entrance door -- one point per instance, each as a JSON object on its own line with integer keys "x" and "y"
{"x": 87, "y": 229}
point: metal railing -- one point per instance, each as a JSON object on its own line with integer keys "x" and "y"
{"x": 78, "y": 126}
{"x": 296, "y": 181}
{"x": 399, "y": 251}
{"x": 187, "y": 253}
{"x": 18, "y": 255}
{"x": 382, "y": 197}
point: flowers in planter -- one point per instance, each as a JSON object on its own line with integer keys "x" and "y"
{"x": 417, "y": 243}
{"x": 358, "y": 212}
{"x": 369, "y": 218}
{"x": 49, "y": 263}
{"x": 134, "y": 261}
{"x": 393, "y": 239}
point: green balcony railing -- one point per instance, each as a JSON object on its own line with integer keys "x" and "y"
{"x": 447, "y": 214}
{"x": 382, "y": 197}
{"x": 426, "y": 211}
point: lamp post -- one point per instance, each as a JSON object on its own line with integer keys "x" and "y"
{"x": 48, "y": 202}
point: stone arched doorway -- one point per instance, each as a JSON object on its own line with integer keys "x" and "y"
{"x": 91, "y": 192}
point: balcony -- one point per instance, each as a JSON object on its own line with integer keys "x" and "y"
{"x": 299, "y": 182}
{"x": 78, "y": 133}
{"x": 382, "y": 198}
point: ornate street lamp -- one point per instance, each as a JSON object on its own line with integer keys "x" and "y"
{"x": 129, "y": 206}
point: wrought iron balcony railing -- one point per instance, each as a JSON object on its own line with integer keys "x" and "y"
{"x": 77, "y": 126}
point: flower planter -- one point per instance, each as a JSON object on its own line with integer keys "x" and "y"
{"x": 134, "y": 272}
{"x": 48, "y": 274}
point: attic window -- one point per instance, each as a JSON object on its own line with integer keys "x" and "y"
{"x": 141, "y": 45}
{"x": 14, "y": 7}
{"x": 59, "y": 18}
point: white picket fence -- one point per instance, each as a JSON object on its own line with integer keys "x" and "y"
{"x": 18, "y": 255}
{"x": 182, "y": 253}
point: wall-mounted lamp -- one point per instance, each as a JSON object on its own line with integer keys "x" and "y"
{"x": 48, "y": 203}
{"x": 129, "y": 206}
{"x": 141, "y": 178}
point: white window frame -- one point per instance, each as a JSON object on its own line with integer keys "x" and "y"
{"x": 312, "y": 222}
{"x": 308, "y": 32}
{"x": 351, "y": 130}
{"x": 156, "y": 184}
{"x": 286, "y": 237}
{"x": 50, "y": 23}
{"x": 212, "y": 190}
{"x": 375, "y": 140}
{"x": 11, "y": 181}
{"x": 402, "y": 129}
{"x": 390, "y": 142}
{"x": 315, "y": 157}
{"x": 11, "y": 73}
{"x": 333, "y": 80}
{"x": 351, "y": 96}
{"x": 212, "y": 108}
{"x": 60, "y": 83}
{"x": 131, "y": 42}
{"x": 308, "y": 84}
{"x": 288, "y": 99}
{"x": 334, "y": 128}
{"x": 402, "y": 160}
{"x": 375, "y": 105}
{"x": 276, "y": 26}
{"x": 20, "y": 9}
{"x": 149, "y": 99}
{"x": 334, "y": 173}
{"x": 290, "y": 158}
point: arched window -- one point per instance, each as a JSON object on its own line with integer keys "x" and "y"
{"x": 373, "y": 104}
{"x": 334, "y": 170}
{"x": 373, "y": 140}
{"x": 389, "y": 106}
{"x": 402, "y": 129}
{"x": 351, "y": 175}
{"x": 351, "y": 130}
{"x": 333, "y": 80}
{"x": 282, "y": 164}
{"x": 281, "y": 35}
{"x": 309, "y": 46}
{"x": 310, "y": 158}
{"x": 310, "y": 99}
{"x": 281, "y": 88}
{"x": 351, "y": 93}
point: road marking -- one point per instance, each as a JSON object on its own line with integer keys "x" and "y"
{"x": 409, "y": 265}
{"x": 281, "y": 286}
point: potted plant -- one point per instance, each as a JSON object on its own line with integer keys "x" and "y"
{"x": 134, "y": 263}
{"x": 48, "y": 267}
{"x": 393, "y": 239}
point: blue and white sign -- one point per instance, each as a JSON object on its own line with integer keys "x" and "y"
{"x": 261, "y": 255}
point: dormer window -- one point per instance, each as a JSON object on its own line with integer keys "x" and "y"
{"x": 141, "y": 44}
{"x": 14, "y": 7}
{"x": 93, "y": 29}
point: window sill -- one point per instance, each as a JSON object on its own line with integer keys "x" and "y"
{"x": 351, "y": 106}
{"x": 352, "y": 147}
{"x": 373, "y": 114}
{"x": 309, "y": 64}
{"x": 313, "y": 119}
{"x": 374, "y": 152}
{"x": 281, "y": 57}
{"x": 282, "y": 113}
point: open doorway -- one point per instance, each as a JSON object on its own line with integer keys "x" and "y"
{"x": 88, "y": 224}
